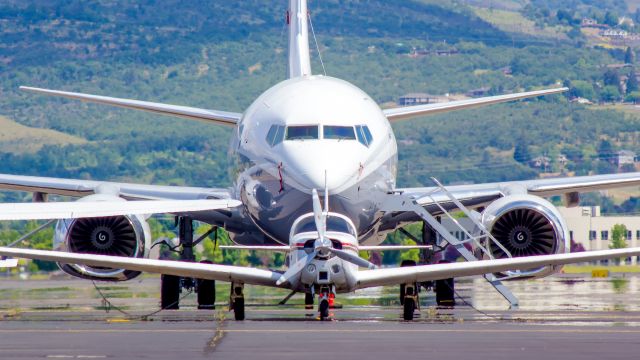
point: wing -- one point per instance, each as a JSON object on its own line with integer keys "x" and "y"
{"x": 481, "y": 193}
{"x": 84, "y": 209}
{"x": 211, "y": 116}
{"x": 78, "y": 188}
{"x": 381, "y": 277}
{"x": 238, "y": 274}
{"x": 409, "y": 112}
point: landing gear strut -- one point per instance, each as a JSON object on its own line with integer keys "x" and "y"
{"x": 236, "y": 300}
{"x": 308, "y": 300}
{"x": 171, "y": 286}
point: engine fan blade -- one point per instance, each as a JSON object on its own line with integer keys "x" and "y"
{"x": 296, "y": 268}
{"x": 354, "y": 259}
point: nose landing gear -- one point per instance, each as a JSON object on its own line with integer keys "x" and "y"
{"x": 326, "y": 294}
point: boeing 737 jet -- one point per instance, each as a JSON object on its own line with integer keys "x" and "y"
{"x": 315, "y": 177}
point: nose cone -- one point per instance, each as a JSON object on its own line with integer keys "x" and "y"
{"x": 313, "y": 164}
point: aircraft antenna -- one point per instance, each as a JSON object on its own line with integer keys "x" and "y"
{"x": 313, "y": 32}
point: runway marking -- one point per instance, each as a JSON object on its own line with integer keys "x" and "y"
{"x": 76, "y": 356}
{"x": 295, "y": 331}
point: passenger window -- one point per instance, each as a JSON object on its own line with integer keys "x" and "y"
{"x": 364, "y": 135}
{"x": 339, "y": 132}
{"x": 302, "y": 133}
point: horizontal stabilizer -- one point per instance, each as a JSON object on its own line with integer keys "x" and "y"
{"x": 214, "y": 116}
{"x": 85, "y": 209}
{"x": 409, "y": 112}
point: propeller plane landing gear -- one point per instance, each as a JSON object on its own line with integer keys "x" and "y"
{"x": 410, "y": 301}
{"x": 236, "y": 300}
{"x": 324, "y": 296}
{"x": 308, "y": 300}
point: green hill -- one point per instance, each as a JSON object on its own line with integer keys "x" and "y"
{"x": 222, "y": 55}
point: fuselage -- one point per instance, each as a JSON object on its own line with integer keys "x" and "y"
{"x": 312, "y": 132}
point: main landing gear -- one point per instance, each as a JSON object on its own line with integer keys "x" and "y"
{"x": 171, "y": 286}
{"x": 409, "y": 295}
{"x": 236, "y": 300}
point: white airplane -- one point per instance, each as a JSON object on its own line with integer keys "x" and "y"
{"x": 306, "y": 134}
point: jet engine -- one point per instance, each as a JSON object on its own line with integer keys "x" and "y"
{"x": 525, "y": 225}
{"x": 127, "y": 236}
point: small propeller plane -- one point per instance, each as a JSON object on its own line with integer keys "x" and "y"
{"x": 305, "y": 135}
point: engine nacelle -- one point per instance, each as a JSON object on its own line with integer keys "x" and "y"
{"x": 116, "y": 235}
{"x": 526, "y": 225}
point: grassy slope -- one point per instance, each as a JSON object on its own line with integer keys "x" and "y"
{"x": 17, "y": 138}
{"x": 514, "y": 22}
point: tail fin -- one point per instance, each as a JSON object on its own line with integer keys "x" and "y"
{"x": 299, "y": 60}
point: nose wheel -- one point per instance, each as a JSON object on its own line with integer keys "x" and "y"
{"x": 325, "y": 297}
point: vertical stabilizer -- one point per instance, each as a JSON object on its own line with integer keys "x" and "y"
{"x": 299, "y": 62}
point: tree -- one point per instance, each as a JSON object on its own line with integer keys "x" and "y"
{"x": 633, "y": 97}
{"x": 610, "y": 94}
{"x": 632, "y": 83}
{"x": 582, "y": 89}
{"x": 521, "y": 152}
{"x": 605, "y": 150}
{"x": 611, "y": 19}
{"x": 618, "y": 238}
{"x": 629, "y": 56}
{"x": 611, "y": 78}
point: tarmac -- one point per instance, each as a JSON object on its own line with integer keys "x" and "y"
{"x": 567, "y": 317}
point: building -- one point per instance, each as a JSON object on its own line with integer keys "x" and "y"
{"x": 419, "y": 99}
{"x": 592, "y": 230}
{"x": 483, "y": 91}
{"x": 588, "y": 22}
{"x": 615, "y": 33}
{"x": 625, "y": 157}
{"x": 587, "y": 227}
{"x": 540, "y": 162}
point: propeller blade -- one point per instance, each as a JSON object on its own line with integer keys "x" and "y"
{"x": 354, "y": 259}
{"x": 294, "y": 269}
{"x": 319, "y": 215}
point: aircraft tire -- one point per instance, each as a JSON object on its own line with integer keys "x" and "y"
{"x": 238, "y": 308}
{"x": 324, "y": 309}
{"x": 405, "y": 263}
{"x": 206, "y": 292}
{"x": 408, "y": 308}
{"x": 170, "y": 292}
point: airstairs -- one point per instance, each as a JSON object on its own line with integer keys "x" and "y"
{"x": 481, "y": 240}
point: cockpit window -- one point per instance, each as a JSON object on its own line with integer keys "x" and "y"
{"x": 339, "y": 132}
{"x": 337, "y": 224}
{"x": 275, "y": 135}
{"x": 334, "y": 223}
{"x": 364, "y": 135}
{"x": 302, "y": 132}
